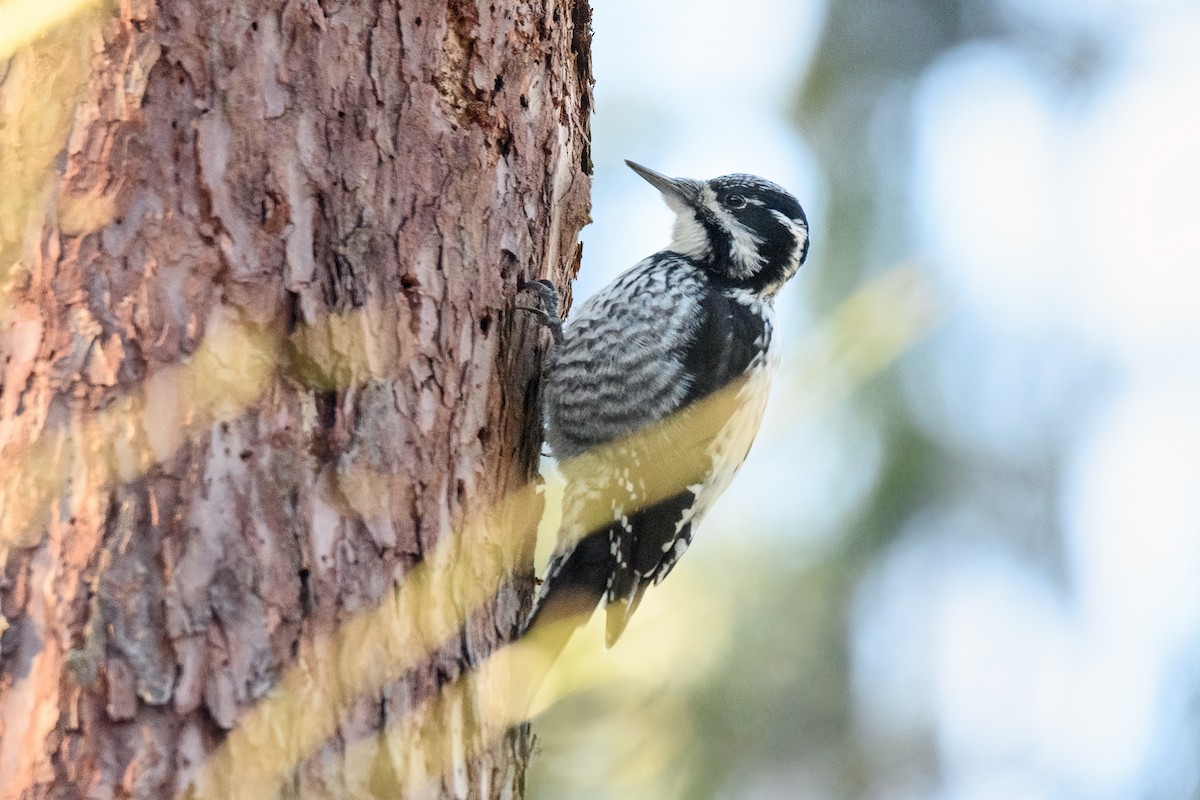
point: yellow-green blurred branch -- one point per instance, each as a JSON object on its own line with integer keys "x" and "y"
{"x": 229, "y": 371}
{"x": 46, "y": 48}
{"x": 334, "y": 670}
{"x": 870, "y": 330}
{"x": 22, "y": 21}
{"x": 866, "y": 333}
{"x": 431, "y": 605}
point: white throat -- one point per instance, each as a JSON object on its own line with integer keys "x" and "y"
{"x": 689, "y": 237}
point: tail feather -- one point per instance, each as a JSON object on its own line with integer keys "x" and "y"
{"x": 619, "y": 613}
{"x": 575, "y": 583}
{"x": 616, "y": 563}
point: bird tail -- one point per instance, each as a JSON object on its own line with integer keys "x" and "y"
{"x": 576, "y": 581}
{"x": 575, "y": 584}
{"x": 619, "y": 612}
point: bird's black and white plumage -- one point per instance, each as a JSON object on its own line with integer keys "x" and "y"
{"x": 656, "y": 391}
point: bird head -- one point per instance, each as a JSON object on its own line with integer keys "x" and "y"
{"x": 746, "y": 231}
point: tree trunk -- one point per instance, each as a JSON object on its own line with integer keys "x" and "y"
{"x": 267, "y": 420}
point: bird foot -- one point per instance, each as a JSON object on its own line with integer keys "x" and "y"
{"x": 547, "y": 312}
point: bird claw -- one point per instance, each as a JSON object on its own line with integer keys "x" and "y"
{"x": 547, "y": 313}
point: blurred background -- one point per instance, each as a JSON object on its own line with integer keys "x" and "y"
{"x": 963, "y": 560}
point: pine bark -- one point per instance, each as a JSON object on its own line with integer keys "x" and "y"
{"x": 262, "y": 363}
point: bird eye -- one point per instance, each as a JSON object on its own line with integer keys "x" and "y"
{"x": 735, "y": 201}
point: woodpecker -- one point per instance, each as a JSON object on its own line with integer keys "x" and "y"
{"x": 655, "y": 390}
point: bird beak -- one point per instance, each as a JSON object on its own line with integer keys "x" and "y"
{"x": 680, "y": 193}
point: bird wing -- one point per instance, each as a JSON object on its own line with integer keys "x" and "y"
{"x": 620, "y": 366}
{"x": 633, "y": 497}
